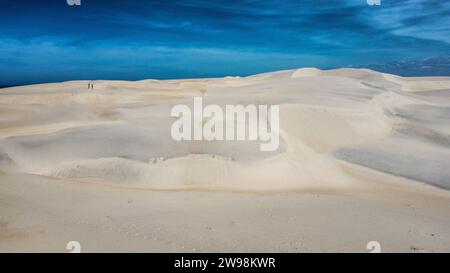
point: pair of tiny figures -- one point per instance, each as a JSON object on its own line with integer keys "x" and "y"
{"x": 90, "y": 85}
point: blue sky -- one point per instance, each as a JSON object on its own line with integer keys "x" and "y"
{"x": 48, "y": 40}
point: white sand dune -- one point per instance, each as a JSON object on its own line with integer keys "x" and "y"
{"x": 361, "y": 136}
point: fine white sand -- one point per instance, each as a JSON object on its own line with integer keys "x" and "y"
{"x": 363, "y": 156}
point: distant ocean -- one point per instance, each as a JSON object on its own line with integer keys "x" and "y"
{"x": 5, "y": 86}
